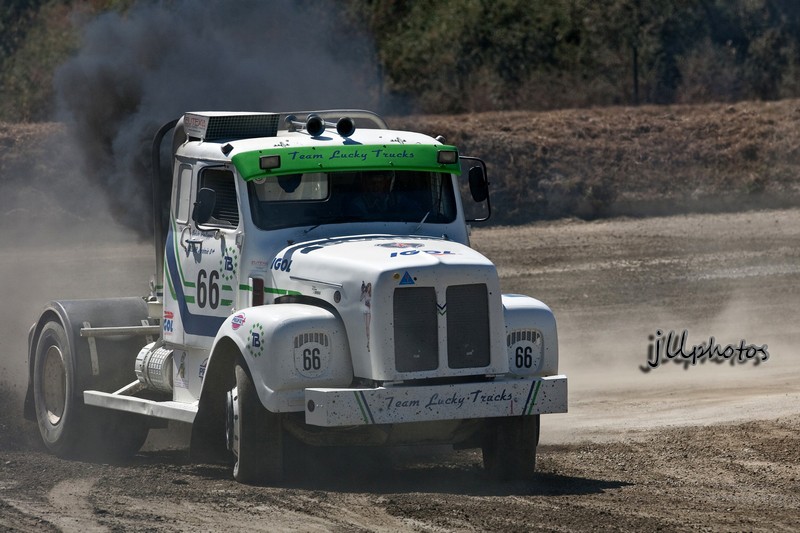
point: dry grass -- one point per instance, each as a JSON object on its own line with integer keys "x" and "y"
{"x": 631, "y": 161}
{"x": 586, "y": 163}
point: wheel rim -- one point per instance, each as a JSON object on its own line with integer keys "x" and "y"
{"x": 54, "y": 383}
{"x": 232, "y": 421}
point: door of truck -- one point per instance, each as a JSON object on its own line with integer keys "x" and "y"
{"x": 202, "y": 260}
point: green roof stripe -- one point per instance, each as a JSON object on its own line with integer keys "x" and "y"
{"x": 346, "y": 158}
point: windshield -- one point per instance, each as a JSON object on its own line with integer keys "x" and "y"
{"x": 337, "y": 197}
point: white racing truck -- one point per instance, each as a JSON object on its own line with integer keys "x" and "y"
{"x": 318, "y": 287}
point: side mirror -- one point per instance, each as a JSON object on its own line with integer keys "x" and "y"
{"x": 477, "y": 175}
{"x": 204, "y": 206}
{"x": 478, "y": 186}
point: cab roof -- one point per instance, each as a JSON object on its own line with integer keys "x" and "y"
{"x": 265, "y": 144}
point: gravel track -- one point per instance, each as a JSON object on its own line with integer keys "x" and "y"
{"x": 705, "y": 447}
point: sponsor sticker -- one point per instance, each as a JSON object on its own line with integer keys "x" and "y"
{"x": 255, "y": 345}
{"x": 237, "y": 321}
{"x": 169, "y": 322}
{"x": 282, "y": 264}
{"x": 407, "y": 279}
{"x": 400, "y": 245}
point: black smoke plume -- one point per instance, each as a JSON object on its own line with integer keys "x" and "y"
{"x": 138, "y": 70}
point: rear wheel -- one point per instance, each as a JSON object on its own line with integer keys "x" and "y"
{"x": 255, "y": 435}
{"x": 509, "y": 447}
{"x": 68, "y": 427}
{"x": 57, "y": 413}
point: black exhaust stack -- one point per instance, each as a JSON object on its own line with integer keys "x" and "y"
{"x": 159, "y": 233}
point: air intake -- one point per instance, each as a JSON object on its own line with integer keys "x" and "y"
{"x": 416, "y": 330}
{"x": 467, "y": 326}
{"x": 153, "y": 367}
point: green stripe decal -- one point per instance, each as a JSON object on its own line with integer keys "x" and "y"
{"x": 274, "y": 290}
{"x": 177, "y": 255}
{"x": 346, "y": 158}
{"x": 271, "y": 290}
{"x": 227, "y": 288}
{"x": 169, "y": 282}
{"x": 535, "y": 393}
{"x": 226, "y": 303}
{"x": 362, "y": 407}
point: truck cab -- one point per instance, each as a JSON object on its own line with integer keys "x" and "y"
{"x": 314, "y": 283}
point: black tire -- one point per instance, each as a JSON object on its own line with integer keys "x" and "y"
{"x": 61, "y": 423}
{"x": 68, "y": 428}
{"x": 255, "y": 435}
{"x": 509, "y": 447}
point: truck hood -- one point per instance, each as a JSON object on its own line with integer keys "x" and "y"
{"x": 373, "y": 280}
{"x": 348, "y": 261}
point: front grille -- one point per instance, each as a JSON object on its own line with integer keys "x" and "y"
{"x": 416, "y": 330}
{"x": 467, "y": 326}
{"x": 416, "y": 343}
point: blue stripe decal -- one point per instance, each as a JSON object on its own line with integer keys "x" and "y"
{"x": 206, "y": 326}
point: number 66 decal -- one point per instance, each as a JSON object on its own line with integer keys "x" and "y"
{"x": 208, "y": 292}
{"x": 525, "y": 349}
{"x": 311, "y": 354}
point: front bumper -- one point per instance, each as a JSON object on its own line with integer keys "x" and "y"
{"x": 391, "y": 405}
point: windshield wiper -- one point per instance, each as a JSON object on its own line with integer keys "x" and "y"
{"x": 333, "y": 219}
{"x": 421, "y": 222}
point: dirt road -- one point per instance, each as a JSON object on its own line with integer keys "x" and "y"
{"x": 705, "y": 447}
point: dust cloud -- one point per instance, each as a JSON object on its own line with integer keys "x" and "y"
{"x": 612, "y": 284}
{"x": 76, "y": 202}
{"x": 134, "y": 72}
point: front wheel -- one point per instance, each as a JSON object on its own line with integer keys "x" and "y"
{"x": 509, "y": 447}
{"x": 254, "y": 434}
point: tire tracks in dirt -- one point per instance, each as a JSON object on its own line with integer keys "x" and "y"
{"x": 68, "y": 508}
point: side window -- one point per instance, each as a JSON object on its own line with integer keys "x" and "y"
{"x": 226, "y": 207}
{"x": 183, "y": 193}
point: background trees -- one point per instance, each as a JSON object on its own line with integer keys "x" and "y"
{"x": 449, "y": 56}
